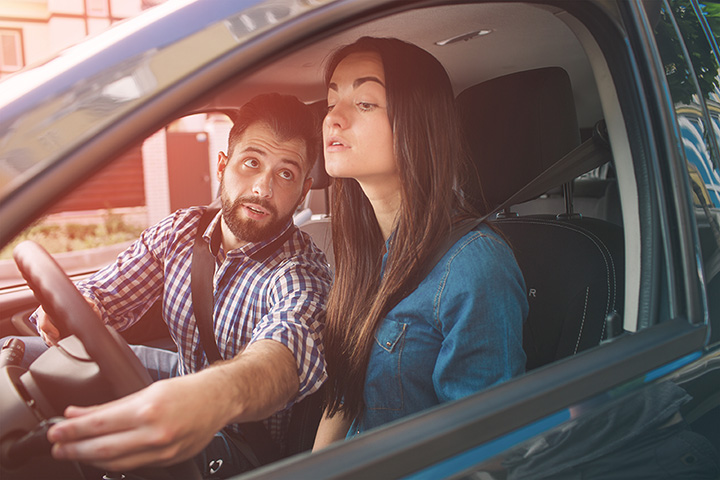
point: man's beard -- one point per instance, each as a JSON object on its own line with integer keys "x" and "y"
{"x": 245, "y": 229}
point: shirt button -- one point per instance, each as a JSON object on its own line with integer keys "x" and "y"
{"x": 388, "y": 343}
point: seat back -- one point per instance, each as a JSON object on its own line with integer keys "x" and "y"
{"x": 572, "y": 271}
{"x": 517, "y": 127}
{"x": 318, "y": 227}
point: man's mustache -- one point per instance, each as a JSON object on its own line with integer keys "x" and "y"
{"x": 238, "y": 202}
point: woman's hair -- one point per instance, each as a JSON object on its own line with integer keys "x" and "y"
{"x": 431, "y": 158}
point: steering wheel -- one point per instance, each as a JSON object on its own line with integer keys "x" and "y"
{"x": 73, "y": 315}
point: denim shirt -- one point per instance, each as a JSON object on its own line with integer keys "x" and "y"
{"x": 459, "y": 332}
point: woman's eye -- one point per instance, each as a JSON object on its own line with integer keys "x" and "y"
{"x": 366, "y": 106}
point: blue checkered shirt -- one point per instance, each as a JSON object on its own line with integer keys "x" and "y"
{"x": 281, "y": 298}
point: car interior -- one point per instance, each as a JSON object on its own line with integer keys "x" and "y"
{"x": 552, "y": 150}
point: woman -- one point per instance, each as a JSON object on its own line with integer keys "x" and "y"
{"x": 393, "y": 144}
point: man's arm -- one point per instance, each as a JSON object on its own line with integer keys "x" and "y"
{"x": 172, "y": 420}
{"x": 123, "y": 290}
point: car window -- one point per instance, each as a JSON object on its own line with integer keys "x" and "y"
{"x": 171, "y": 169}
{"x": 694, "y": 82}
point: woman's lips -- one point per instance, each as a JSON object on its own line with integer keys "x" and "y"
{"x": 335, "y": 144}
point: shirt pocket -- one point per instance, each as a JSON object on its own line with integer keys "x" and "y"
{"x": 383, "y": 386}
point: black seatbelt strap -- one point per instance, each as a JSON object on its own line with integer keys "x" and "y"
{"x": 202, "y": 271}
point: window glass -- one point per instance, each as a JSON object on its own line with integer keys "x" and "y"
{"x": 173, "y": 168}
{"x": 695, "y": 90}
{"x": 697, "y": 133}
{"x": 11, "y": 55}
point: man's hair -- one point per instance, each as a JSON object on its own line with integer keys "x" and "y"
{"x": 286, "y": 116}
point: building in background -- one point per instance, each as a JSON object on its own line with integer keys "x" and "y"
{"x": 31, "y": 30}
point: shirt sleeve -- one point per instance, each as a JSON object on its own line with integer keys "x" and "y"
{"x": 297, "y": 320}
{"x": 480, "y": 308}
{"x": 126, "y": 288}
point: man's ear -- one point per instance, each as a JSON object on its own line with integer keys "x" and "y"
{"x": 222, "y": 163}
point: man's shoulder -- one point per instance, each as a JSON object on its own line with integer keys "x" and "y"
{"x": 185, "y": 217}
{"x": 300, "y": 252}
{"x": 179, "y": 226}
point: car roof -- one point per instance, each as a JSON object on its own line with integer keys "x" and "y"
{"x": 182, "y": 57}
{"x": 535, "y": 35}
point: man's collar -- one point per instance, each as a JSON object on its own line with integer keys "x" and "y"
{"x": 257, "y": 251}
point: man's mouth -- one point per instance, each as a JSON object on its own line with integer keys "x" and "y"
{"x": 256, "y": 210}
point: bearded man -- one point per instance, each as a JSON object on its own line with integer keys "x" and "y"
{"x": 267, "y": 317}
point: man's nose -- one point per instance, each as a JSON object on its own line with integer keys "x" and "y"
{"x": 263, "y": 186}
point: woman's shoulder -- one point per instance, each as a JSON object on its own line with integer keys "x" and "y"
{"x": 481, "y": 255}
{"x": 484, "y": 242}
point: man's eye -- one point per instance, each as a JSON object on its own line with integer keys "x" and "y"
{"x": 287, "y": 175}
{"x": 330, "y": 108}
{"x": 251, "y": 163}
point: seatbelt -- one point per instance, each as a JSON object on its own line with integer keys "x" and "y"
{"x": 591, "y": 154}
{"x": 202, "y": 271}
{"x": 582, "y": 159}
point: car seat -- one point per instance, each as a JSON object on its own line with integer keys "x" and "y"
{"x": 318, "y": 224}
{"x": 518, "y": 128}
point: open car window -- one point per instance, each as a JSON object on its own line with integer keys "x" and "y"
{"x": 175, "y": 167}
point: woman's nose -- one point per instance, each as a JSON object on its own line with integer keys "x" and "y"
{"x": 336, "y": 116}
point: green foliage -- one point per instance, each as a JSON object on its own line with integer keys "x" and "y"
{"x": 701, "y": 55}
{"x": 68, "y": 237}
{"x": 712, "y": 14}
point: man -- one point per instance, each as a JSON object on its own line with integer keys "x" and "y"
{"x": 267, "y": 317}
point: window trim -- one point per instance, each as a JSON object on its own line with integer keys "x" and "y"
{"x": 17, "y": 35}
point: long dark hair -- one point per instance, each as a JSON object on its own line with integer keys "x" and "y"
{"x": 431, "y": 157}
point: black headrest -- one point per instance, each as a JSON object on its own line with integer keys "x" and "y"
{"x": 517, "y": 126}
{"x": 321, "y": 180}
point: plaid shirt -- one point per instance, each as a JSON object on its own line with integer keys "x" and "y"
{"x": 281, "y": 298}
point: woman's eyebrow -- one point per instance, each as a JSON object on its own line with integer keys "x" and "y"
{"x": 357, "y": 82}
{"x": 362, "y": 80}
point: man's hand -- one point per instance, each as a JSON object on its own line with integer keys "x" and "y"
{"x": 172, "y": 420}
{"x": 48, "y": 330}
{"x": 165, "y": 423}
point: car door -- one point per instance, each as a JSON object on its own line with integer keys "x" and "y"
{"x": 619, "y": 79}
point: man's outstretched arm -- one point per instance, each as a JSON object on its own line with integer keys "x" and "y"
{"x": 172, "y": 420}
